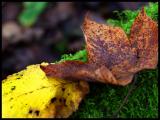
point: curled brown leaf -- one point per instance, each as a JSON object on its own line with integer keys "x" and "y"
{"x": 112, "y": 56}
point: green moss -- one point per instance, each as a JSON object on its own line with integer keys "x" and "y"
{"x": 80, "y": 55}
{"x": 126, "y": 18}
{"x": 104, "y": 100}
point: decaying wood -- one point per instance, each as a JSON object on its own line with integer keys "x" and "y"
{"x": 112, "y": 56}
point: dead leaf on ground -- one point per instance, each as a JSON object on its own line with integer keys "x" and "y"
{"x": 31, "y": 94}
{"x": 112, "y": 56}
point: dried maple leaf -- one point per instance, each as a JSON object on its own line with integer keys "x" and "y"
{"x": 112, "y": 56}
{"x": 31, "y": 94}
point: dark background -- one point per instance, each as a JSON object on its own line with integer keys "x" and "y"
{"x": 56, "y": 32}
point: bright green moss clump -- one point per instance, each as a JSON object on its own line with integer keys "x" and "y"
{"x": 104, "y": 100}
{"x": 80, "y": 55}
{"x": 127, "y": 17}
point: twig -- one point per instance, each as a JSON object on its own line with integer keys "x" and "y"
{"x": 139, "y": 85}
{"x": 125, "y": 99}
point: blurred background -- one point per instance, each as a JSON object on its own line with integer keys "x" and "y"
{"x": 34, "y": 32}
